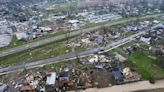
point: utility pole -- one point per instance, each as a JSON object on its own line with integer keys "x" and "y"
{"x": 81, "y": 31}
{"x": 67, "y": 36}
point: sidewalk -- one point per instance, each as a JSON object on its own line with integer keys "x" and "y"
{"x": 137, "y": 86}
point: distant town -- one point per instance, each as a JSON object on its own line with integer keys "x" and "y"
{"x": 81, "y": 45}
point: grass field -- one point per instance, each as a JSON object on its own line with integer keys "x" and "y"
{"x": 146, "y": 66}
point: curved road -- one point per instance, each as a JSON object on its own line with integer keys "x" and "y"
{"x": 68, "y": 56}
{"x": 60, "y": 37}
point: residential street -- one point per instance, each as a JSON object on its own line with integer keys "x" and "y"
{"x": 56, "y": 38}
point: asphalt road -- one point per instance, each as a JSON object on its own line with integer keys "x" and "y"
{"x": 68, "y": 56}
{"x": 60, "y": 37}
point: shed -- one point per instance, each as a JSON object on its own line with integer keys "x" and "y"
{"x": 51, "y": 79}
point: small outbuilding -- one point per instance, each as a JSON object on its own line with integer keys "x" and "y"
{"x": 51, "y": 79}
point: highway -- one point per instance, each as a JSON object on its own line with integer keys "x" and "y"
{"x": 68, "y": 56}
{"x": 60, "y": 37}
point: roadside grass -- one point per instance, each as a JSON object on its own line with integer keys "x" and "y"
{"x": 146, "y": 66}
{"x": 89, "y": 25}
{"x": 39, "y": 53}
{"x": 57, "y": 66}
{"x": 124, "y": 35}
{"x": 111, "y": 53}
{"x": 129, "y": 44}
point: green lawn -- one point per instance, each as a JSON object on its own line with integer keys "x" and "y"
{"x": 145, "y": 65}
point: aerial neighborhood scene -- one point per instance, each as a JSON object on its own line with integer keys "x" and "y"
{"x": 81, "y": 45}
